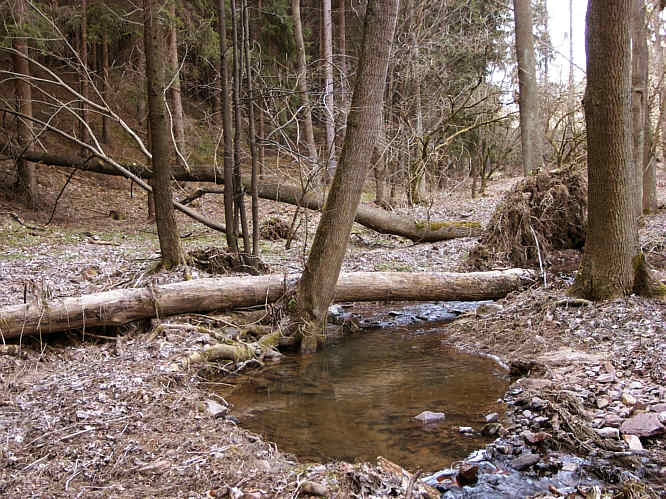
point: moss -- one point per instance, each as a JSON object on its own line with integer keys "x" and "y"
{"x": 446, "y": 224}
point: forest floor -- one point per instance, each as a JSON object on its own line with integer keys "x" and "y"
{"x": 100, "y": 414}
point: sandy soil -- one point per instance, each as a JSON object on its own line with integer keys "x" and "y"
{"x": 99, "y": 413}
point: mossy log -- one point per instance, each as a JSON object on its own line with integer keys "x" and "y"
{"x": 120, "y": 306}
{"x": 376, "y": 219}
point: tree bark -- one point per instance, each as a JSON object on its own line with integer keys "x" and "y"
{"x": 274, "y": 189}
{"x": 175, "y": 98}
{"x": 172, "y": 252}
{"x": 303, "y": 84}
{"x": 327, "y": 19}
{"x": 106, "y": 86}
{"x": 316, "y": 287}
{"x": 26, "y": 177}
{"x": 83, "y": 53}
{"x": 227, "y": 128}
{"x": 120, "y": 306}
{"x": 612, "y": 262}
{"x": 638, "y": 96}
{"x": 528, "y": 100}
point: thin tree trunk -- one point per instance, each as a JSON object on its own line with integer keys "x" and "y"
{"x": 83, "y": 53}
{"x": 172, "y": 251}
{"x": 303, "y": 84}
{"x": 342, "y": 38}
{"x": 638, "y": 97}
{"x": 175, "y": 97}
{"x": 141, "y": 72}
{"x": 227, "y": 127}
{"x": 238, "y": 186}
{"x": 26, "y": 177}
{"x": 106, "y": 87}
{"x": 120, "y": 306}
{"x": 328, "y": 87}
{"x": 316, "y": 288}
{"x": 527, "y": 83}
{"x": 252, "y": 140}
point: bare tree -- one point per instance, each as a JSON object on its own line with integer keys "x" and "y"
{"x": 317, "y": 284}
{"x": 175, "y": 97}
{"x": 172, "y": 251}
{"x": 328, "y": 86}
{"x": 639, "y": 69}
{"x": 83, "y": 51}
{"x": 613, "y": 264}
{"x": 303, "y": 83}
{"x": 527, "y": 82}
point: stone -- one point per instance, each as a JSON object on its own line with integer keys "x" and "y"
{"x": 635, "y": 385}
{"x": 662, "y": 417}
{"x": 466, "y": 429}
{"x": 491, "y": 429}
{"x": 524, "y": 461}
{"x": 628, "y": 399}
{"x": 535, "y": 438}
{"x": 633, "y": 441}
{"x": 606, "y": 378}
{"x": 658, "y": 407}
{"x": 492, "y": 417}
{"x": 602, "y": 402}
{"x": 608, "y": 432}
{"x": 645, "y": 424}
{"x": 430, "y": 416}
{"x": 214, "y": 409}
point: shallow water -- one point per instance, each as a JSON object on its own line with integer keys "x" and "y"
{"x": 357, "y": 399}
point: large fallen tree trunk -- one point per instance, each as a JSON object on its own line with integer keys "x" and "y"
{"x": 373, "y": 218}
{"x": 120, "y": 306}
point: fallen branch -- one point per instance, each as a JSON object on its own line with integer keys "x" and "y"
{"x": 120, "y": 306}
{"x": 374, "y": 218}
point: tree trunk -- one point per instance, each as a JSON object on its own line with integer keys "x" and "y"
{"x": 172, "y": 252}
{"x": 120, "y": 306}
{"x": 638, "y": 96}
{"x": 373, "y": 218}
{"x": 528, "y": 98}
{"x": 83, "y": 53}
{"x": 316, "y": 287}
{"x": 252, "y": 134}
{"x": 303, "y": 84}
{"x": 239, "y": 205}
{"x": 26, "y": 177}
{"x": 227, "y": 128}
{"x": 328, "y": 88}
{"x": 612, "y": 263}
{"x": 106, "y": 87}
{"x": 175, "y": 98}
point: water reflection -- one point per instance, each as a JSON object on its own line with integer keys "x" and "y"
{"x": 357, "y": 399}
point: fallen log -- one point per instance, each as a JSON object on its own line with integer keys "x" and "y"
{"x": 374, "y": 218}
{"x": 120, "y": 306}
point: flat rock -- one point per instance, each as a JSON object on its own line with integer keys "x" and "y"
{"x": 466, "y": 429}
{"x": 568, "y": 356}
{"x": 645, "y": 424}
{"x": 658, "y": 407}
{"x": 602, "y": 402}
{"x": 430, "y": 416}
{"x": 524, "y": 461}
{"x": 492, "y": 417}
{"x": 633, "y": 441}
{"x": 214, "y": 409}
{"x": 608, "y": 432}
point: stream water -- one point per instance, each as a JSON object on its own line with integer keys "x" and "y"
{"x": 357, "y": 399}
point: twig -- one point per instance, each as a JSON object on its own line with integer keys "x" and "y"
{"x": 543, "y": 271}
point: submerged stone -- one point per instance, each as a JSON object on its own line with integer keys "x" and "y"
{"x": 430, "y": 416}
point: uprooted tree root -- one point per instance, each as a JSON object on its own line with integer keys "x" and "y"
{"x": 221, "y": 261}
{"x": 540, "y": 214}
{"x": 274, "y": 229}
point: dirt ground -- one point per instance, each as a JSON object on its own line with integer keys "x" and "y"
{"x": 101, "y": 414}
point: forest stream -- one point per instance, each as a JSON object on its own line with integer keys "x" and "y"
{"x": 357, "y": 399}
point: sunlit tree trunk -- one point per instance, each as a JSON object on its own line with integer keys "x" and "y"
{"x": 317, "y": 284}
{"x": 328, "y": 86}
{"x": 303, "y": 83}
{"x": 172, "y": 252}
{"x": 175, "y": 97}
{"x": 26, "y": 177}
{"x": 612, "y": 262}
{"x": 227, "y": 128}
{"x": 528, "y": 99}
